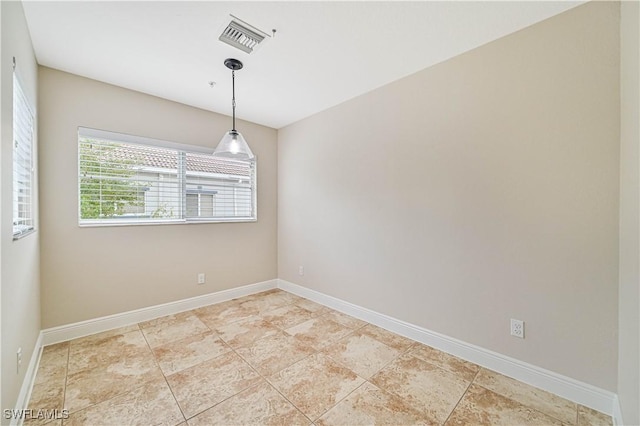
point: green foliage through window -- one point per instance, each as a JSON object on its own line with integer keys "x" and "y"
{"x": 107, "y": 186}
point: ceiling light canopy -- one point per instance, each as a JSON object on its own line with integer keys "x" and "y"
{"x": 233, "y": 144}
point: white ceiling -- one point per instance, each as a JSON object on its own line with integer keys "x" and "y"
{"x": 324, "y": 53}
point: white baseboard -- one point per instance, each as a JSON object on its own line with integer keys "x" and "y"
{"x": 566, "y": 387}
{"x": 27, "y": 384}
{"x": 617, "y": 412}
{"x": 97, "y": 325}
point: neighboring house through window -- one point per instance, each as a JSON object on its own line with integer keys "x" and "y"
{"x": 200, "y": 204}
{"x": 127, "y": 179}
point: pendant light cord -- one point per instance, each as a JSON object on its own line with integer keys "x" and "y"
{"x": 233, "y": 99}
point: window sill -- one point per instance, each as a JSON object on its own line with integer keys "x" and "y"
{"x": 103, "y": 223}
{"x": 23, "y": 234}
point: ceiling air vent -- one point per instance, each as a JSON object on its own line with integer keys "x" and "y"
{"x": 241, "y": 35}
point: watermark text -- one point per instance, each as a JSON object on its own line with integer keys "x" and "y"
{"x": 36, "y": 414}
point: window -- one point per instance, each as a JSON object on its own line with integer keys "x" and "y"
{"x": 200, "y": 205}
{"x": 23, "y": 211}
{"x": 127, "y": 179}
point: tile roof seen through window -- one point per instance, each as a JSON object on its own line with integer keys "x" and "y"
{"x": 164, "y": 158}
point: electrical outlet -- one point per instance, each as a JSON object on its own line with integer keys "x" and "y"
{"x": 201, "y": 278}
{"x": 18, "y": 360}
{"x": 517, "y": 328}
{"x": 301, "y": 270}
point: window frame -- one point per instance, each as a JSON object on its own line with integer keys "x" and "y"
{"x": 20, "y": 96}
{"x": 183, "y": 149}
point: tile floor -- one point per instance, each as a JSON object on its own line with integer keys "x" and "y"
{"x": 275, "y": 358}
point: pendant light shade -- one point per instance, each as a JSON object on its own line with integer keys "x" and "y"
{"x": 233, "y": 144}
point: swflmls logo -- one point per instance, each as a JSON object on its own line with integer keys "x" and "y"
{"x": 36, "y": 414}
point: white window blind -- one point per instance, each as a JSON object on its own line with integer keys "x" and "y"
{"x": 125, "y": 179}
{"x": 23, "y": 211}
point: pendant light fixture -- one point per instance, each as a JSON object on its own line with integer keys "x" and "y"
{"x": 233, "y": 144}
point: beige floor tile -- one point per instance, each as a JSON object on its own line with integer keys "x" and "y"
{"x": 369, "y": 405}
{"x": 115, "y": 377}
{"x": 362, "y": 354}
{"x": 258, "y": 405}
{"x": 387, "y": 337}
{"x": 287, "y": 316}
{"x": 225, "y": 313}
{"x": 150, "y": 404}
{"x": 467, "y": 370}
{"x": 45, "y": 418}
{"x": 480, "y": 406}
{"x": 278, "y": 293}
{"x": 53, "y": 358}
{"x": 281, "y": 298}
{"x": 316, "y": 308}
{"x": 86, "y": 353}
{"x": 46, "y": 397}
{"x": 590, "y": 417}
{"x": 49, "y": 385}
{"x": 89, "y": 387}
{"x": 211, "y": 382}
{"x": 264, "y": 293}
{"x": 94, "y": 338}
{"x": 432, "y": 390}
{"x": 319, "y": 332}
{"x": 315, "y": 384}
{"x": 530, "y": 396}
{"x": 217, "y": 308}
{"x": 268, "y": 302}
{"x": 171, "y": 328}
{"x": 345, "y": 320}
{"x": 242, "y": 333}
{"x": 273, "y": 353}
{"x": 185, "y": 353}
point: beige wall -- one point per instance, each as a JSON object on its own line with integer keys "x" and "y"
{"x": 478, "y": 190}
{"x": 629, "y": 304}
{"x": 92, "y": 272}
{"x": 20, "y": 292}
